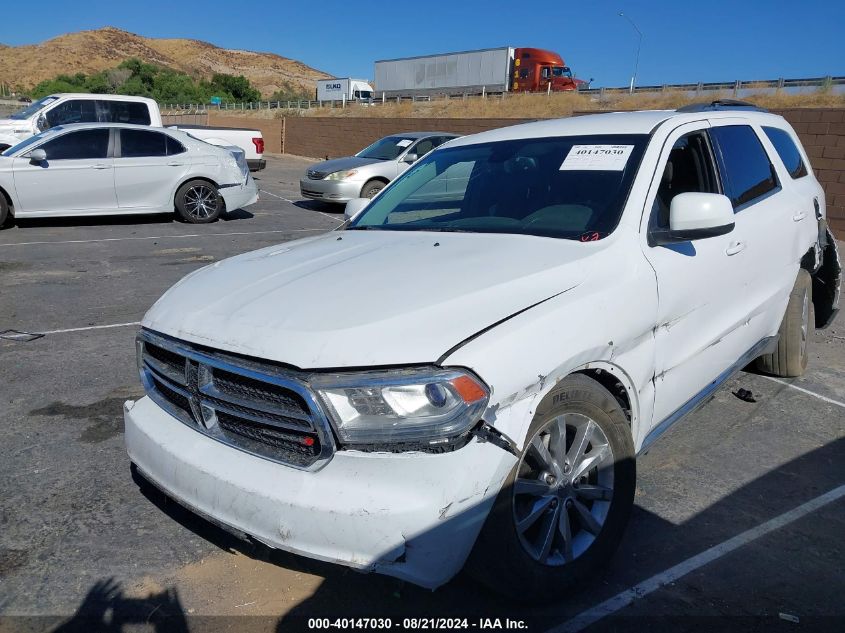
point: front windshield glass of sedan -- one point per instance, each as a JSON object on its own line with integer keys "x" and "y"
{"x": 32, "y": 108}
{"x": 572, "y": 187}
{"x": 388, "y": 148}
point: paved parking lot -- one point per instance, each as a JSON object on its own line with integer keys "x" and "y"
{"x": 712, "y": 544}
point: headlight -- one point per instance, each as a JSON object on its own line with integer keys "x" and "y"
{"x": 427, "y": 406}
{"x": 342, "y": 175}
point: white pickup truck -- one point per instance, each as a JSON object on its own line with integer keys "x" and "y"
{"x": 466, "y": 370}
{"x": 66, "y": 108}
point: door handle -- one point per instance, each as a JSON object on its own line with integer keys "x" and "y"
{"x": 175, "y": 164}
{"x": 734, "y": 248}
{"x": 799, "y": 216}
{"x": 100, "y": 166}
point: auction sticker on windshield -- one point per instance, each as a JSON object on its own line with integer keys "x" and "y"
{"x": 597, "y": 158}
{"x": 404, "y": 142}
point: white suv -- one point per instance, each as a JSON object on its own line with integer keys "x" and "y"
{"x": 467, "y": 369}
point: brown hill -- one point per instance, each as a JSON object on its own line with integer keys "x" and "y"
{"x": 93, "y": 51}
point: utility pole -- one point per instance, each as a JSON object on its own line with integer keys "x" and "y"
{"x": 639, "y": 45}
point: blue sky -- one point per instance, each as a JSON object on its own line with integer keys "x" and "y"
{"x": 683, "y": 41}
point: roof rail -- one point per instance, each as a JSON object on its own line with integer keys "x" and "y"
{"x": 721, "y": 104}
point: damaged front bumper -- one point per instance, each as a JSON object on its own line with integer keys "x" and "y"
{"x": 414, "y": 516}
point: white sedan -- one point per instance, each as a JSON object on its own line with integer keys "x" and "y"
{"x": 104, "y": 169}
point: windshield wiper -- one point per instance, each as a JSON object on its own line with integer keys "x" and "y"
{"x": 366, "y": 227}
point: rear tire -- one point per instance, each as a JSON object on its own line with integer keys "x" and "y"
{"x": 199, "y": 202}
{"x": 554, "y": 526}
{"x": 4, "y": 210}
{"x": 790, "y": 358}
{"x": 371, "y": 188}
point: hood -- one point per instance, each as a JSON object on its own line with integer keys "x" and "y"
{"x": 340, "y": 164}
{"x": 16, "y": 124}
{"x": 366, "y": 298}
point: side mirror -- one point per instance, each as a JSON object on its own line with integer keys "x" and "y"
{"x": 695, "y": 216}
{"x": 37, "y": 156}
{"x": 42, "y": 123}
{"x": 410, "y": 158}
{"x": 354, "y": 206}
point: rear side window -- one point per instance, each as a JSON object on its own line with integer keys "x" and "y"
{"x": 78, "y": 145}
{"x": 144, "y": 143}
{"x": 133, "y": 112}
{"x": 788, "y": 152}
{"x": 746, "y": 171}
{"x": 138, "y": 143}
{"x": 174, "y": 146}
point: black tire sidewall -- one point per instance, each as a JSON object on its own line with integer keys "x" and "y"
{"x": 182, "y": 212}
{"x": 4, "y": 211}
{"x": 499, "y": 560}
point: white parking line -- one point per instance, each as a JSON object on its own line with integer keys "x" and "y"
{"x": 807, "y": 391}
{"x": 270, "y": 193}
{"x": 629, "y": 596}
{"x": 160, "y": 237}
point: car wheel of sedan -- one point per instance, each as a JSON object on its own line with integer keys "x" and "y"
{"x": 199, "y": 202}
{"x": 4, "y": 210}
{"x": 790, "y": 357}
{"x": 371, "y": 188}
{"x": 563, "y": 508}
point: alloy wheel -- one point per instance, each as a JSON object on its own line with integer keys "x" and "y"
{"x": 201, "y": 202}
{"x": 563, "y": 489}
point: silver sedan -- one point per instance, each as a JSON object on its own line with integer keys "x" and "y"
{"x": 366, "y": 173}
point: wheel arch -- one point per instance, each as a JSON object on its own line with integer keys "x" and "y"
{"x": 608, "y": 374}
{"x": 186, "y": 180}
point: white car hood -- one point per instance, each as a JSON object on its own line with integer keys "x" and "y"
{"x": 366, "y": 298}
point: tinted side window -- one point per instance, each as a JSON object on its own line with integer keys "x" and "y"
{"x": 73, "y": 111}
{"x": 78, "y": 145}
{"x": 788, "y": 152}
{"x": 747, "y": 173}
{"x": 137, "y": 143}
{"x": 174, "y": 146}
{"x": 125, "y": 112}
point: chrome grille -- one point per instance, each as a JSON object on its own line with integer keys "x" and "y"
{"x": 260, "y": 409}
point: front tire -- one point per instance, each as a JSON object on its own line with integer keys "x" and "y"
{"x": 790, "y": 358}
{"x": 371, "y": 188}
{"x": 4, "y": 210}
{"x": 199, "y": 202}
{"x": 563, "y": 508}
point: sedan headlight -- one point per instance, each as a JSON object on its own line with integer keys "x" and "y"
{"x": 426, "y": 406}
{"x": 342, "y": 175}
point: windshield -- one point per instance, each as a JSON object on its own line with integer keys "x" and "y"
{"x": 33, "y": 108}
{"x": 561, "y": 71}
{"x": 388, "y": 148}
{"x": 572, "y": 187}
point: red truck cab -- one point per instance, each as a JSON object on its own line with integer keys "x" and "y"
{"x": 534, "y": 69}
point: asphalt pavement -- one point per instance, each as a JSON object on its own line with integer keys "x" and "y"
{"x": 738, "y": 524}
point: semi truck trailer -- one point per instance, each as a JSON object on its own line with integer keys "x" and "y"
{"x": 505, "y": 69}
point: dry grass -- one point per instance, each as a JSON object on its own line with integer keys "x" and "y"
{"x": 534, "y": 106}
